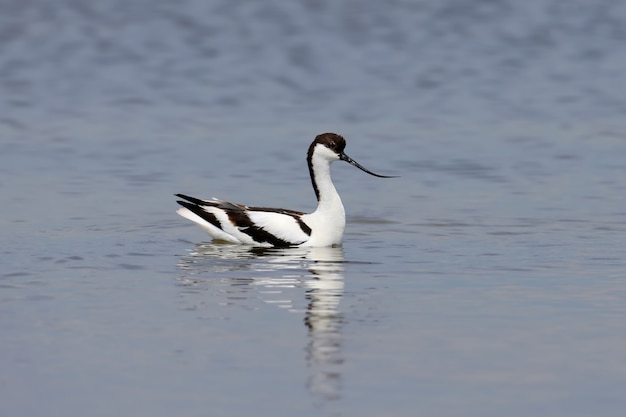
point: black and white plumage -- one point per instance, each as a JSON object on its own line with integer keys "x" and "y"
{"x": 261, "y": 226}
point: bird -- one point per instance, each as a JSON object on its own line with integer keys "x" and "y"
{"x": 228, "y": 222}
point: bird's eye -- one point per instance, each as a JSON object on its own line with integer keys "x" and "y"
{"x": 332, "y": 144}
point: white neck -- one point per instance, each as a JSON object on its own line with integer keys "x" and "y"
{"x": 328, "y": 221}
{"x": 329, "y": 201}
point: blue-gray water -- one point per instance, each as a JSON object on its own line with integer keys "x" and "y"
{"x": 489, "y": 280}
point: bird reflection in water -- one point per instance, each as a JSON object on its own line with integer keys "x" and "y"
{"x": 313, "y": 276}
{"x": 324, "y": 320}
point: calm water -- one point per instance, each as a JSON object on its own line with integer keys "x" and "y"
{"x": 489, "y": 280}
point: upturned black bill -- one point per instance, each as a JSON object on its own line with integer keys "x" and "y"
{"x": 351, "y": 161}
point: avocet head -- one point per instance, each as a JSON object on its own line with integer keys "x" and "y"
{"x": 330, "y": 146}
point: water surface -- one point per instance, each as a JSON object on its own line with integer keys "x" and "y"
{"x": 488, "y": 280}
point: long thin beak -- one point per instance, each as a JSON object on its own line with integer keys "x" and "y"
{"x": 351, "y": 161}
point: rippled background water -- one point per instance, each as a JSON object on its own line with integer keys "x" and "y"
{"x": 488, "y": 280}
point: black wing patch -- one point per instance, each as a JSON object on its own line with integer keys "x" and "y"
{"x": 196, "y": 209}
{"x": 239, "y": 218}
{"x": 295, "y": 214}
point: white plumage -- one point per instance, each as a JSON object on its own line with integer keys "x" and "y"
{"x": 261, "y": 226}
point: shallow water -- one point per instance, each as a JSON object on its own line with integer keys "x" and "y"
{"x": 488, "y": 280}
